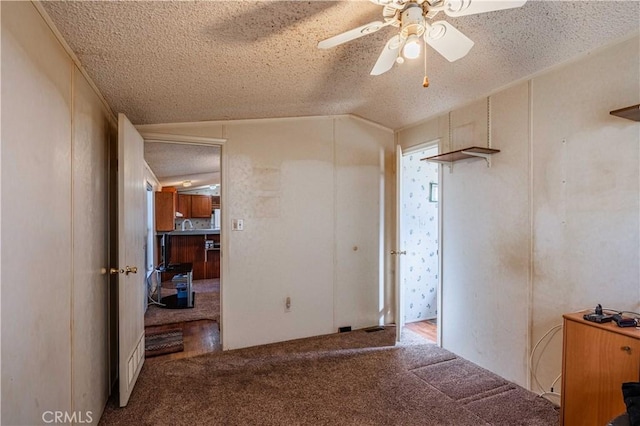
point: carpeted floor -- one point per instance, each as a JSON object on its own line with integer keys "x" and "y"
{"x": 354, "y": 378}
{"x": 206, "y": 306}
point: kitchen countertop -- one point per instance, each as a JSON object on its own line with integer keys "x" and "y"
{"x": 192, "y": 232}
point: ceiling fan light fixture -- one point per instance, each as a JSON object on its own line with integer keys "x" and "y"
{"x": 411, "y": 49}
{"x": 413, "y": 19}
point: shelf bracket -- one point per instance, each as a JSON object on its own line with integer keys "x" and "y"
{"x": 449, "y": 164}
{"x": 449, "y": 158}
{"x": 487, "y": 157}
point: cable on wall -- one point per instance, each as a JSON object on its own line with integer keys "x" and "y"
{"x": 534, "y": 367}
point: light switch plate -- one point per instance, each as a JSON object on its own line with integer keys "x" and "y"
{"x": 237, "y": 225}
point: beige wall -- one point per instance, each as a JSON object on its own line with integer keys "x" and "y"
{"x": 585, "y": 200}
{"x": 553, "y": 226}
{"x": 361, "y": 182}
{"x": 92, "y": 131}
{"x": 310, "y": 192}
{"x": 54, "y": 204}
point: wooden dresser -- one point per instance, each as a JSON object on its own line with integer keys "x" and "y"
{"x": 596, "y": 360}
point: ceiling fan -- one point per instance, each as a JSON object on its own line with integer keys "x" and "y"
{"x": 412, "y": 18}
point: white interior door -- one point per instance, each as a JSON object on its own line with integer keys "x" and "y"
{"x": 131, "y": 261}
{"x": 399, "y": 319}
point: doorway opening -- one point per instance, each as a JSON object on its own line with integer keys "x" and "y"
{"x": 149, "y": 237}
{"x": 185, "y": 285}
{"x": 419, "y": 269}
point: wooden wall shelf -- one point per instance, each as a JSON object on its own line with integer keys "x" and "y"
{"x": 630, "y": 113}
{"x": 463, "y": 154}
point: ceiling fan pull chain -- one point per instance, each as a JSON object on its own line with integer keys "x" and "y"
{"x": 425, "y": 82}
{"x": 450, "y": 133}
{"x": 488, "y": 121}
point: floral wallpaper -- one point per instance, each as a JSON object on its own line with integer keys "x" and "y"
{"x": 419, "y": 236}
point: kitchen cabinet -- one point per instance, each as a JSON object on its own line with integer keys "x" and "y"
{"x": 201, "y": 206}
{"x": 596, "y": 360}
{"x": 192, "y": 249}
{"x": 194, "y": 206}
{"x": 184, "y": 205}
{"x": 215, "y": 202}
{"x": 165, "y": 210}
{"x": 212, "y": 258}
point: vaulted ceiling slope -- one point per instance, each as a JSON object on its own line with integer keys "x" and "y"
{"x": 178, "y": 61}
{"x": 175, "y": 163}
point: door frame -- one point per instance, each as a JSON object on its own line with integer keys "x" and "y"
{"x": 397, "y": 261}
{"x": 399, "y": 290}
{"x": 205, "y": 141}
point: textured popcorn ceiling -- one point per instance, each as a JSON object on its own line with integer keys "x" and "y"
{"x": 174, "y": 163}
{"x": 166, "y": 61}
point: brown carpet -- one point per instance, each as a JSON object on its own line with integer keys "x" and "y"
{"x": 354, "y": 378}
{"x": 206, "y": 306}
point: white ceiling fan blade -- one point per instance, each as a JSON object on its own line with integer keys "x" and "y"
{"x": 395, "y": 4}
{"x": 471, "y": 7}
{"x": 353, "y": 34}
{"x": 447, "y": 40}
{"x": 388, "y": 56}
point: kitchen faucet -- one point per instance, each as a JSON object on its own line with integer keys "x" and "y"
{"x": 190, "y": 224}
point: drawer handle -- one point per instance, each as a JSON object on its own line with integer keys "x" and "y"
{"x": 626, "y": 348}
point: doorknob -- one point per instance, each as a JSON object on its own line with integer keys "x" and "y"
{"x": 131, "y": 269}
{"x": 398, "y": 252}
{"x": 116, "y": 271}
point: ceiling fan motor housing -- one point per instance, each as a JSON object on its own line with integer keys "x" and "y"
{"x": 412, "y": 21}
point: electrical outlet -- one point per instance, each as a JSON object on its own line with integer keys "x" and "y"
{"x": 287, "y": 304}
